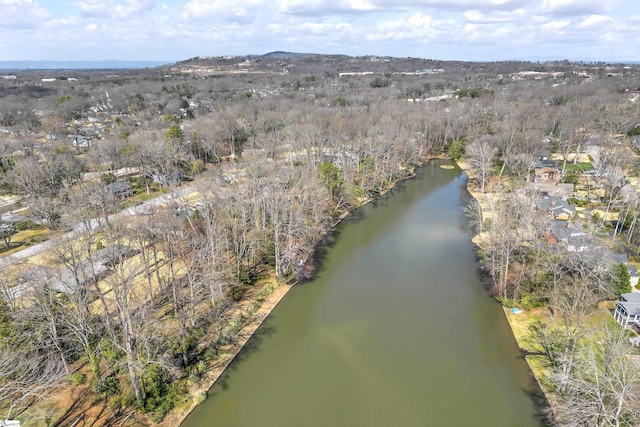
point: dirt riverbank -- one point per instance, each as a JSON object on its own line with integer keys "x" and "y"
{"x": 518, "y": 323}
{"x": 210, "y": 377}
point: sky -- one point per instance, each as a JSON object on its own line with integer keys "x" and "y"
{"x": 173, "y": 30}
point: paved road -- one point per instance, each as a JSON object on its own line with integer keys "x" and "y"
{"x": 145, "y": 207}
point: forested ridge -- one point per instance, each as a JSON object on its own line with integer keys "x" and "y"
{"x": 173, "y": 200}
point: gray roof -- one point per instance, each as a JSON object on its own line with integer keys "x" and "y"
{"x": 563, "y": 230}
{"x": 545, "y": 164}
{"x": 575, "y": 238}
{"x": 112, "y": 254}
{"x": 615, "y": 258}
{"x": 542, "y": 153}
{"x": 64, "y": 280}
{"x": 559, "y": 207}
{"x": 542, "y": 203}
{"x": 119, "y": 186}
{"x": 633, "y": 270}
{"x": 632, "y": 297}
{"x": 632, "y": 309}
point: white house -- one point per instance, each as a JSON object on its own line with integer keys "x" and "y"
{"x": 628, "y": 309}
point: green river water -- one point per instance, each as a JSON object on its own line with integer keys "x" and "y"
{"x": 395, "y": 330}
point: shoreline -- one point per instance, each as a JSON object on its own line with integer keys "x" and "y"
{"x": 213, "y": 374}
{"x": 477, "y": 196}
{"x": 527, "y": 359}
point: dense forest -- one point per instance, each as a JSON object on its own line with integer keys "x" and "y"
{"x": 147, "y": 213}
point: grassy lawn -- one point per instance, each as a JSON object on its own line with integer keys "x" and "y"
{"x": 497, "y": 168}
{"x": 579, "y": 167}
{"x": 520, "y": 324}
{"x": 143, "y": 197}
{"x": 26, "y": 238}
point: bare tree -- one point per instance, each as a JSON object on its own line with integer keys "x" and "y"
{"x": 26, "y": 378}
{"x": 7, "y": 230}
{"x": 131, "y": 312}
{"x": 481, "y": 154}
{"x": 604, "y": 390}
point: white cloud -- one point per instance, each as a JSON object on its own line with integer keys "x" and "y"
{"x": 111, "y": 8}
{"x": 574, "y": 7}
{"x": 556, "y": 26}
{"x": 22, "y": 14}
{"x": 454, "y": 29}
{"x": 474, "y": 4}
{"x": 333, "y": 7}
{"x": 222, "y": 10}
{"x": 417, "y": 28}
{"x": 96, "y": 8}
{"x": 325, "y": 7}
{"x": 407, "y": 25}
{"x": 135, "y": 7}
{"x": 593, "y": 22}
{"x": 362, "y": 5}
{"x": 480, "y": 17}
{"x": 454, "y": 4}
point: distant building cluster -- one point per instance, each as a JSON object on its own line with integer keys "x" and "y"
{"x": 522, "y": 75}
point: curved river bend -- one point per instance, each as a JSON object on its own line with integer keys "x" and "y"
{"x": 396, "y": 330}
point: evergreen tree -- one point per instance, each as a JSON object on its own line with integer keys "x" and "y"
{"x": 621, "y": 279}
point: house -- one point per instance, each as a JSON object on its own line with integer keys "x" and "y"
{"x": 112, "y": 255}
{"x": 67, "y": 280}
{"x": 81, "y": 141}
{"x": 561, "y": 209}
{"x": 617, "y": 258}
{"x": 120, "y": 189}
{"x": 563, "y": 231}
{"x": 613, "y": 259}
{"x": 627, "y": 310}
{"x": 542, "y": 155}
{"x": 573, "y": 238}
{"x": 545, "y": 174}
{"x": 173, "y": 177}
{"x": 542, "y": 203}
{"x": 542, "y": 159}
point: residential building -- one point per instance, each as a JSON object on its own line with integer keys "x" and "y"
{"x": 627, "y": 310}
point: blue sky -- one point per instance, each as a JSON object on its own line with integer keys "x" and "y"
{"x": 171, "y": 30}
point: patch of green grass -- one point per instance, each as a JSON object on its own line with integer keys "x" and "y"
{"x": 578, "y": 167}
{"x": 599, "y": 317}
{"x": 497, "y": 168}
{"x": 267, "y": 290}
{"x": 143, "y": 197}
{"x": 26, "y": 238}
{"x": 520, "y": 324}
{"x": 540, "y": 369}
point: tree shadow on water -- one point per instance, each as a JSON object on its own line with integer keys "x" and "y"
{"x": 251, "y": 346}
{"x": 541, "y": 404}
{"x": 542, "y": 407}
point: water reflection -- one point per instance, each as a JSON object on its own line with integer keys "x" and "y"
{"x": 396, "y": 329}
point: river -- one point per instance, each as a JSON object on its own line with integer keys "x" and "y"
{"x": 395, "y": 330}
